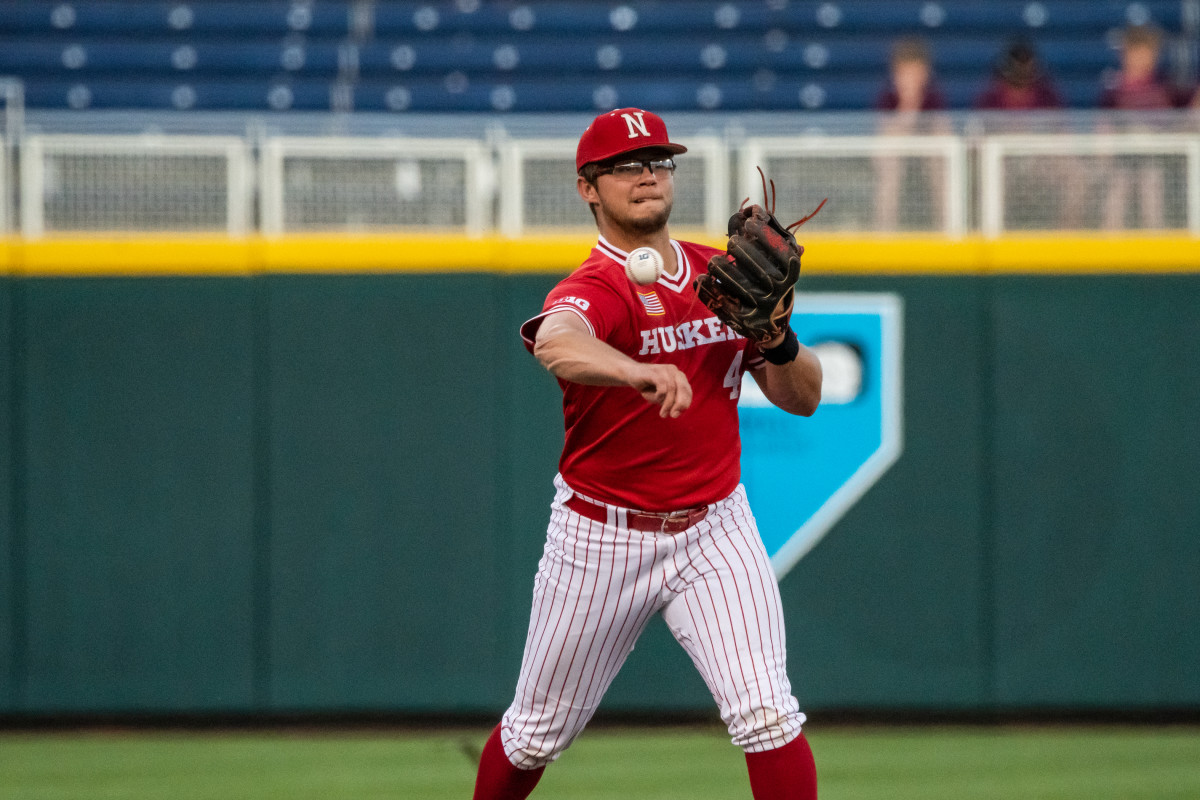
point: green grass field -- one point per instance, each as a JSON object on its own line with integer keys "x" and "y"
{"x": 854, "y": 763}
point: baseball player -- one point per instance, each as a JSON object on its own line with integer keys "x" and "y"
{"x": 649, "y": 516}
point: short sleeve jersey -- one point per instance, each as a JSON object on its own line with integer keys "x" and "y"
{"x": 617, "y": 448}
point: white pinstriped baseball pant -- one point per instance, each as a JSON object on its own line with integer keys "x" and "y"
{"x": 597, "y": 586}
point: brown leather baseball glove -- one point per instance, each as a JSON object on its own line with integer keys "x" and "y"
{"x": 751, "y": 286}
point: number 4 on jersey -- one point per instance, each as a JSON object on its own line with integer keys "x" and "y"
{"x": 733, "y": 378}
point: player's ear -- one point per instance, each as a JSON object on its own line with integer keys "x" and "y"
{"x": 587, "y": 190}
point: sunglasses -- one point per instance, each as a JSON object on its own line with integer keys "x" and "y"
{"x": 661, "y": 167}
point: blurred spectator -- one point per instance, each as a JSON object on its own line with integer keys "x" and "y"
{"x": 1138, "y": 84}
{"x": 1043, "y": 188}
{"x": 911, "y": 86}
{"x": 911, "y": 89}
{"x": 1019, "y": 82}
{"x": 1138, "y": 87}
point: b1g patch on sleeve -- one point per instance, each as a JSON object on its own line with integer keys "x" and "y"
{"x": 578, "y": 302}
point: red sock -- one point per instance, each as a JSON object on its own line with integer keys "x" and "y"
{"x": 785, "y": 773}
{"x": 498, "y": 779}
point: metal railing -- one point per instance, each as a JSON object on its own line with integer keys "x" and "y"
{"x": 1090, "y": 181}
{"x": 360, "y": 184}
{"x": 149, "y": 182}
{"x": 948, "y": 176}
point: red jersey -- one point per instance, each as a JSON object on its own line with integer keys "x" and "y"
{"x": 1144, "y": 95}
{"x": 617, "y": 448}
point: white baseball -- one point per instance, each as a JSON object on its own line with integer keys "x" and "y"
{"x": 644, "y": 265}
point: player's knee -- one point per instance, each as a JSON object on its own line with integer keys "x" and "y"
{"x": 765, "y": 728}
{"x": 526, "y": 753}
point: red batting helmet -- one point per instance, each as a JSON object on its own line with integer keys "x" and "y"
{"x": 623, "y": 131}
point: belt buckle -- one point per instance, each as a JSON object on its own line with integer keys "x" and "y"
{"x": 674, "y": 517}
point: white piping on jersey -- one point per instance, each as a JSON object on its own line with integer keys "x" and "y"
{"x": 676, "y": 283}
{"x": 559, "y": 306}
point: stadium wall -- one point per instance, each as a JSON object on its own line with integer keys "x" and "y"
{"x": 313, "y": 476}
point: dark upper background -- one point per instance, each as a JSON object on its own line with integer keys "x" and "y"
{"x": 467, "y": 55}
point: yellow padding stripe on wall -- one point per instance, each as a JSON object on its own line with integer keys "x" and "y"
{"x": 824, "y": 255}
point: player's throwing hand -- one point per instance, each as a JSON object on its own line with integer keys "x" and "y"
{"x": 664, "y": 385}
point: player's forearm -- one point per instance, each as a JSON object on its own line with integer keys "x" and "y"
{"x": 795, "y": 386}
{"x": 582, "y": 358}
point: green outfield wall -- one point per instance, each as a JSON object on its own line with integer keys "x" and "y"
{"x": 305, "y": 492}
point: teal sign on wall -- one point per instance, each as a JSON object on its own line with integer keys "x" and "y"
{"x": 803, "y": 473}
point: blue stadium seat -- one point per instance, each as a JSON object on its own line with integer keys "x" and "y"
{"x": 583, "y": 95}
{"x": 305, "y": 95}
{"x": 420, "y": 56}
{"x": 1066, "y": 55}
{"x": 422, "y": 95}
{"x": 1079, "y": 92}
{"x": 209, "y": 95}
{"x": 269, "y": 18}
{"x": 109, "y": 56}
{"x": 306, "y": 57}
{"x": 997, "y": 16}
{"x": 520, "y": 58}
{"x": 561, "y": 54}
{"x": 892, "y": 16}
{"x": 980, "y": 55}
{"x": 76, "y": 18}
{"x": 254, "y": 17}
{"x": 439, "y": 19}
{"x": 556, "y": 55}
{"x": 34, "y": 18}
{"x": 29, "y": 57}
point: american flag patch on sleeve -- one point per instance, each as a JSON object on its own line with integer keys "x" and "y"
{"x": 652, "y": 303}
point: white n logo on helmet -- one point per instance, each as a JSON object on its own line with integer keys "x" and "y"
{"x": 637, "y": 127}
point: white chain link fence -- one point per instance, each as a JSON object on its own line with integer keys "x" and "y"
{"x": 356, "y": 185}
{"x": 151, "y": 183}
{"x": 951, "y": 176}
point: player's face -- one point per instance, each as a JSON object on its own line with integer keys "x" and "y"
{"x": 639, "y": 203}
